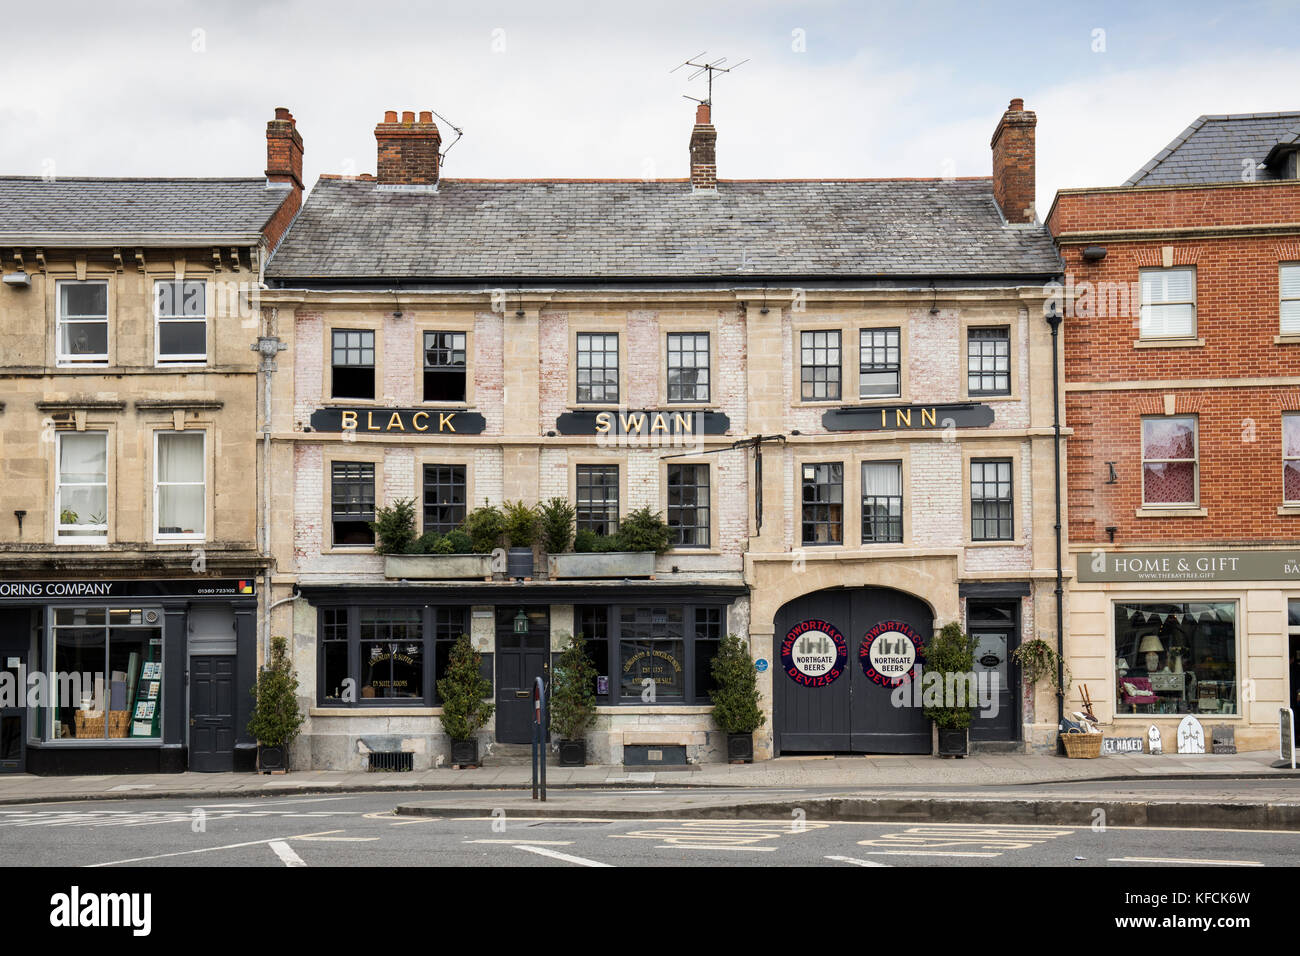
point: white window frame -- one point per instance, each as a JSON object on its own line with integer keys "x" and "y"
{"x": 70, "y": 360}
{"x": 63, "y": 532}
{"x": 159, "y": 359}
{"x": 1288, "y": 458}
{"x": 1143, "y": 332}
{"x": 1195, "y": 460}
{"x": 1282, "y": 269}
{"x": 158, "y": 536}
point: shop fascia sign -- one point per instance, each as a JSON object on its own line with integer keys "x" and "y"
{"x": 648, "y": 422}
{"x": 85, "y": 589}
{"x": 1192, "y": 566}
{"x": 908, "y": 417}
{"x": 420, "y": 422}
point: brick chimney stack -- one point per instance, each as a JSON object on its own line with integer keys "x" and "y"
{"x": 284, "y": 150}
{"x": 704, "y": 163}
{"x": 1013, "y": 163}
{"x": 408, "y": 150}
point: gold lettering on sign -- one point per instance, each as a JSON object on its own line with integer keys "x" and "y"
{"x": 350, "y": 420}
{"x": 903, "y": 416}
{"x": 882, "y": 418}
{"x": 370, "y": 422}
{"x": 685, "y": 423}
{"x": 927, "y": 416}
{"x": 602, "y": 423}
{"x": 444, "y": 421}
{"x": 633, "y": 422}
{"x": 415, "y": 421}
{"x": 659, "y": 424}
{"x": 396, "y": 419}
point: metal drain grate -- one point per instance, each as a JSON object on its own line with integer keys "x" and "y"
{"x": 390, "y": 761}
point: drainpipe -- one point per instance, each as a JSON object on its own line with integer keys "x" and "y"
{"x": 268, "y": 346}
{"x": 1054, "y": 321}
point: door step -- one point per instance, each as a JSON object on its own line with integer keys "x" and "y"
{"x": 997, "y": 746}
{"x": 514, "y": 755}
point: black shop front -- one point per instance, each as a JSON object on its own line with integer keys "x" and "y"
{"x": 127, "y": 676}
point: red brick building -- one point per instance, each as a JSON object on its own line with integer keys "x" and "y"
{"x": 1182, "y": 371}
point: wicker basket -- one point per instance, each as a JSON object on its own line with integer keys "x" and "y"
{"x": 1083, "y": 746}
{"x": 118, "y": 722}
{"x": 88, "y": 726}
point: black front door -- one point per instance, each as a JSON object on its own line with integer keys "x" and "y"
{"x": 839, "y": 653}
{"x": 522, "y": 656}
{"x": 995, "y": 627}
{"x": 212, "y": 713}
{"x": 13, "y": 719}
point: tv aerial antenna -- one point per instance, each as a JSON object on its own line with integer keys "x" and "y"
{"x": 459, "y": 133}
{"x": 702, "y": 67}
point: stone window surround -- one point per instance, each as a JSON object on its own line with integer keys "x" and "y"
{"x": 994, "y": 449}
{"x": 850, "y": 338}
{"x": 338, "y": 453}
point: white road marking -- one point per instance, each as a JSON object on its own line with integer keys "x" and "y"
{"x": 698, "y": 846}
{"x": 528, "y": 842}
{"x": 925, "y": 853}
{"x": 285, "y": 853}
{"x": 208, "y": 849}
{"x": 849, "y": 859}
{"x": 555, "y": 855}
{"x": 328, "y": 839}
{"x": 1184, "y": 862}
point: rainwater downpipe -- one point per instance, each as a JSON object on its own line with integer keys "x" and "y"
{"x": 1054, "y": 320}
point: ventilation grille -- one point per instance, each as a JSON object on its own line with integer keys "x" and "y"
{"x": 390, "y": 761}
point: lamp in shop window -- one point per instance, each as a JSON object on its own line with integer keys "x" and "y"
{"x": 521, "y": 622}
{"x": 1152, "y": 648}
{"x": 1121, "y": 665}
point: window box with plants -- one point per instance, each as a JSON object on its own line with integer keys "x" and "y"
{"x": 466, "y": 709}
{"x": 735, "y": 698}
{"x": 951, "y": 658}
{"x": 276, "y": 719}
{"x": 521, "y": 527}
{"x": 628, "y": 553}
{"x": 464, "y": 553}
{"x": 573, "y": 701}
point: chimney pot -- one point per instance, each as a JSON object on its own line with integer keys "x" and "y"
{"x": 703, "y": 114}
{"x": 282, "y": 113}
{"x": 704, "y": 163}
{"x": 1013, "y": 163}
{"x": 426, "y": 116}
{"x": 408, "y": 116}
{"x": 390, "y": 116}
{"x": 408, "y": 153}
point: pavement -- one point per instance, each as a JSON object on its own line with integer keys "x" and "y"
{"x": 914, "y": 775}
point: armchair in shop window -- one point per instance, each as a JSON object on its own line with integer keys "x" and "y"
{"x": 1137, "y": 690}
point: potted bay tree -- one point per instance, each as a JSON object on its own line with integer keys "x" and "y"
{"x": 276, "y": 719}
{"x": 735, "y": 698}
{"x": 465, "y": 705}
{"x": 950, "y": 661}
{"x": 573, "y": 701}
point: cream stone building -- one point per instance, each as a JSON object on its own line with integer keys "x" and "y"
{"x": 129, "y": 553}
{"x": 838, "y": 394}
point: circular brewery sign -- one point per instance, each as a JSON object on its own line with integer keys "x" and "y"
{"x": 889, "y": 652}
{"x": 814, "y": 653}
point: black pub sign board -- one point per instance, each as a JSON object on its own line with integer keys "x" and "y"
{"x": 648, "y": 423}
{"x": 908, "y": 417}
{"x": 397, "y": 421}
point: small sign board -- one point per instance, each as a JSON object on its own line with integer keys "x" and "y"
{"x": 1191, "y": 736}
{"x": 1223, "y": 740}
{"x": 1121, "y": 745}
{"x": 1154, "y": 744}
{"x": 602, "y": 684}
{"x": 1286, "y": 738}
{"x": 760, "y": 665}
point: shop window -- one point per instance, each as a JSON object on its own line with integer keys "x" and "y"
{"x": 449, "y": 623}
{"x": 1176, "y": 658}
{"x": 352, "y": 497}
{"x": 988, "y": 361}
{"x": 180, "y": 499}
{"x": 444, "y": 366}
{"x": 823, "y": 503}
{"x": 879, "y": 372}
{"x": 81, "y": 496}
{"x": 597, "y": 377}
{"x": 444, "y": 497}
{"x": 82, "y": 323}
{"x": 1168, "y": 303}
{"x": 819, "y": 366}
{"x": 688, "y": 505}
{"x": 373, "y": 655}
{"x": 597, "y": 506}
{"x": 1169, "y": 467}
{"x": 882, "y": 502}
{"x": 392, "y": 654}
{"x": 991, "y": 500}
{"x": 106, "y": 673}
{"x": 352, "y": 364}
{"x": 335, "y": 668}
{"x": 673, "y": 646}
{"x": 180, "y": 323}
{"x": 708, "y": 637}
{"x": 1289, "y": 305}
{"x": 652, "y": 653}
{"x": 1291, "y": 459}
{"x": 593, "y": 625}
{"x": 688, "y": 367}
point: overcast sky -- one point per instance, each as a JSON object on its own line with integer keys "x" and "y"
{"x": 555, "y": 89}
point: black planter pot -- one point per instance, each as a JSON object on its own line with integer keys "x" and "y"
{"x": 740, "y": 748}
{"x": 519, "y": 563}
{"x": 464, "y": 753}
{"x": 952, "y": 743}
{"x": 271, "y": 759}
{"x": 573, "y": 753}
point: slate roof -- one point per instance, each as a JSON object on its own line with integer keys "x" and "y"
{"x": 1212, "y": 149}
{"x": 137, "y": 210}
{"x": 607, "y": 230}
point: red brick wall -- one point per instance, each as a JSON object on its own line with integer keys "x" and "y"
{"x": 1138, "y": 208}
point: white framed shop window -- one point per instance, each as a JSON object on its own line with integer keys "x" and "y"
{"x": 1177, "y": 656}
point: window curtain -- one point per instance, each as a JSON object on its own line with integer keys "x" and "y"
{"x": 881, "y": 480}
{"x": 180, "y": 484}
